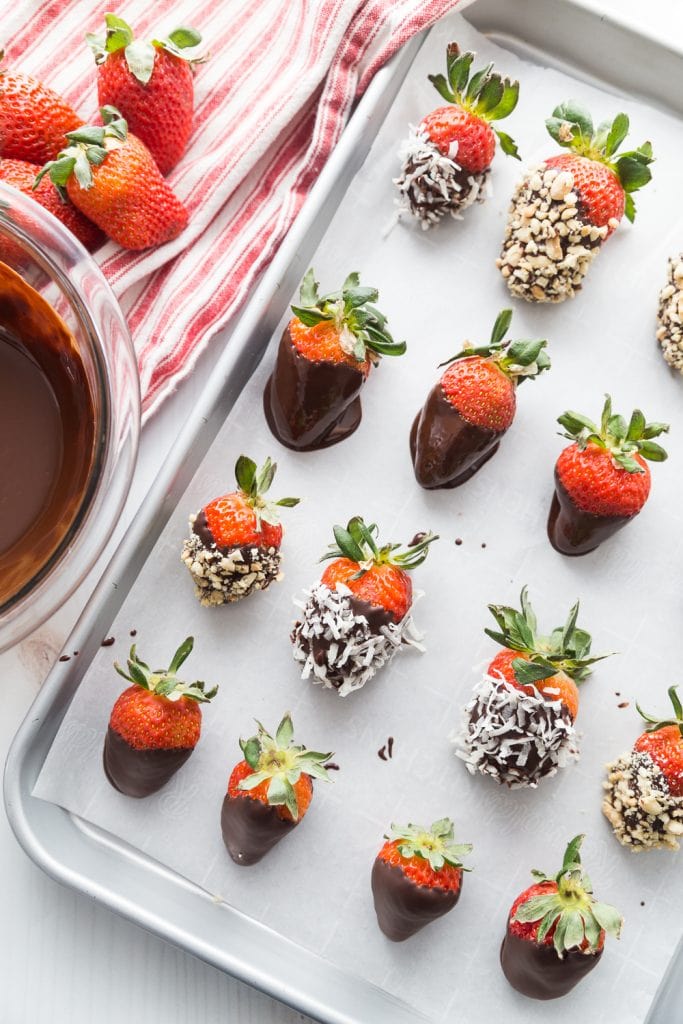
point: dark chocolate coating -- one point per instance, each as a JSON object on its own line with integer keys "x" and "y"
{"x": 538, "y": 972}
{"x": 402, "y": 907}
{"x": 446, "y": 449}
{"x": 574, "y": 532}
{"x": 375, "y": 616}
{"x": 311, "y": 405}
{"x": 139, "y": 772}
{"x": 251, "y": 828}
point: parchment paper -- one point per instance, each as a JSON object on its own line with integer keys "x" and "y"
{"x": 437, "y": 288}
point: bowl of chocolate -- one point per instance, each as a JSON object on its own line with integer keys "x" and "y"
{"x": 69, "y": 414}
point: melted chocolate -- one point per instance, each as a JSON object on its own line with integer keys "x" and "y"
{"x": 402, "y": 907}
{"x": 574, "y": 532}
{"x": 375, "y": 616}
{"x": 203, "y": 530}
{"x": 139, "y": 772}
{"x": 251, "y": 829}
{"x": 538, "y": 972}
{"x": 446, "y": 449}
{"x": 311, "y": 405}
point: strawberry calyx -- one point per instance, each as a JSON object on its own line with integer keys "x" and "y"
{"x": 357, "y": 542}
{"x": 140, "y": 54}
{"x": 654, "y": 724}
{"x": 571, "y": 126}
{"x": 484, "y": 94}
{"x": 164, "y": 682}
{"x": 362, "y": 328}
{"x": 518, "y": 360}
{"x": 254, "y": 483}
{"x": 88, "y": 147}
{"x": 434, "y": 844}
{"x": 576, "y": 917}
{"x": 567, "y": 649}
{"x": 621, "y": 439}
{"x": 278, "y": 760}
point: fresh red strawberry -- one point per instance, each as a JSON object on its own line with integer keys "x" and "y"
{"x": 599, "y": 189}
{"x": 417, "y": 877}
{"x": 449, "y": 443}
{"x": 151, "y": 83}
{"x": 447, "y": 159}
{"x": 111, "y": 177}
{"x": 34, "y": 120}
{"x": 556, "y": 931}
{"x": 234, "y": 544}
{"x": 154, "y": 725}
{"x": 601, "y": 480}
{"x": 662, "y": 741}
{"x": 269, "y": 792}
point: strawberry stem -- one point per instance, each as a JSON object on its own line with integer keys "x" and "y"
{"x": 254, "y": 483}
{"x": 357, "y": 542}
{"x": 656, "y": 723}
{"x": 434, "y": 844}
{"x": 519, "y": 360}
{"x": 164, "y": 682}
{"x": 620, "y": 439}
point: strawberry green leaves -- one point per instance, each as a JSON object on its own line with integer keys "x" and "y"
{"x": 358, "y": 543}
{"x": 435, "y": 844}
{"x": 88, "y": 147}
{"x": 519, "y": 360}
{"x": 254, "y": 483}
{"x": 164, "y": 682}
{"x": 623, "y": 441}
{"x": 658, "y": 723}
{"x": 139, "y": 54}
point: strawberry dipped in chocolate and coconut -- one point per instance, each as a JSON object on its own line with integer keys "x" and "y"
{"x": 469, "y": 409}
{"x": 556, "y": 930}
{"x": 602, "y": 480}
{"x": 358, "y": 616}
{"x": 325, "y": 355}
{"x": 417, "y": 877}
{"x": 269, "y": 792}
{"x": 565, "y": 208}
{"x": 643, "y": 798}
{"x": 446, "y": 160}
{"x": 154, "y": 725}
{"x": 234, "y": 544}
{"x": 518, "y": 728}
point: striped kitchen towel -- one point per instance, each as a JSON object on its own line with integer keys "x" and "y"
{"x": 270, "y": 105}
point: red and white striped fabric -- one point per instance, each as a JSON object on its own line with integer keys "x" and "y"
{"x": 270, "y": 105}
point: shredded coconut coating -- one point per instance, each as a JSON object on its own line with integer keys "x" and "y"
{"x": 431, "y": 185}
{"x": 337, "y": 646}
{"x": 549, "y": 243}
{"x": 670, "y": 315}
{"x": 224, "y": 577}
{"x": 638, "y": 805}
{"x": 515, "y": 737}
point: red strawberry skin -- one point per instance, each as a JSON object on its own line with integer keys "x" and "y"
{"x": 33, "y": 119}
{"x": 321, "y": 344}
{"x": 665, "y": 747}
{"x": 303, "y": 789}
{"x": 561, "y": 687}
{"x": 383, "y": 586}
{"x": 147, "y": 721}
{"x": 480, "y": 392}
{"x": 475, "y": 138}
{"x": 419, "y": 870}
{"x": 232, "y": 522}
{"x": 21, "y": 175}
{"x": 598, "y": 187}
{"x": 528, "y": 930}
{"x": 597, "y": 486}
{"x": 160, "y": 112}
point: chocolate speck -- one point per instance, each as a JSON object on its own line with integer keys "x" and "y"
{"x": 65, "y": 657}
{"x": 642, "y": 903}
{"x": 416, "y": 539}
{"x": 624, "y": 704}
{"x": 382, "y": 753}
{"x": 484, "y": 545}
{"x": 458, "y": 541}
{"x": 390, "y": 746}
{"x": 617, "y": 693}
{"x": 332, "y": 767}
{"x": 133, "y": 632}
{"x": 109, "y": 642}
{"x": 76, "y": 653}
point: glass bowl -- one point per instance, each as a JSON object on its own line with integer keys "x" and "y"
{"x": 50, "y": 541}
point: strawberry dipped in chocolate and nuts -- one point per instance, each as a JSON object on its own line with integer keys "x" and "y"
{"x": 325, "y": 355}
{"x": 602, "y": 480}
{"x": 358, "y": 616}
{"x": 565, "y": 208}
{"x": 417, "y": 877}
{"x": 446, "y": 160}
{"x": 643, "y": 798}
{"x": 556, "y": 930}
{"x": 269, "y": 792}
{"x": 154, "y": 725}
{"x": 519, "y": 726}
{"x": 469, "y": 409}
{"x": 234, "y": 543}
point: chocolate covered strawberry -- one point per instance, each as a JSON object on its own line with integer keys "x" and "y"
{"x": 602, "y": 480}
{"x": 565, "y": 208}
{"x": 154, "y": 725}
{"x": 111, "y": 177}
{"x": 269, "y": 792}
{"x": 556, "y": 931}
{"x": 417, "y": 877}
{"x": 670, "y": 314}
{"x": 151, "y": 83}
{"x": 358, "y": 616}
{"x": 447, "y": 158}
{"x": 469, "y": 409}
{"x": 643, "y": 799}
{"x": 519, "y": 726}
{"x": 34, "y": 120}
{"x": 234, "y": 543}
{"x": 325, "y": 355}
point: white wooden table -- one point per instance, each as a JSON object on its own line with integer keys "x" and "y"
{"x": 64, "y": 960}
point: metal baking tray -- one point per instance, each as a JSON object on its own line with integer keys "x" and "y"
{"x": 121, "y": 877}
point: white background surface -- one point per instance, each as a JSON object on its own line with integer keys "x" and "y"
{"x": 64, "y": 959}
